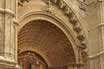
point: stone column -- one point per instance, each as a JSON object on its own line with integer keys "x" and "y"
{"x": 101, "y": 29}
{"x": 96, "y": 38}
{"x": 8, "y": 49}
{"x": 96, "y": 61}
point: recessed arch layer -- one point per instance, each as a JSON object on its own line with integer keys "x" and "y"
{"x": 77, "y": 40}
{"x": 49, "y": 41}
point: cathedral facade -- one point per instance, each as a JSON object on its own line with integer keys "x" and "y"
{"x": 51, "y": 34}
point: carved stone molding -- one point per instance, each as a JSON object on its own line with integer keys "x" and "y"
{"x": 72, "y": 18}
{"x": 96, "y": 55}
{"x": 67, "y": 11}
{"x": 77, "y": 28}
{"x": 15, "y": 22}
{"x": 84, "y": 53}
{"x": 83, "y": 5}
{"x": 7, "y": 11}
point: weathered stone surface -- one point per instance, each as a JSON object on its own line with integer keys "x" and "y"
{"x": 60, "y": 31}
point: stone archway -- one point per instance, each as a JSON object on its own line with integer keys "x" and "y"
{"x": 70, "y": 28}
{"x": 50, "y": 42}
{"x": 47, "y": 40}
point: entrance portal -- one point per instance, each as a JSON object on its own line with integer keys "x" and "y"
{"x": 48, "y": 41}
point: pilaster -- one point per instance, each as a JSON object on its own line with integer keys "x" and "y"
{"x": 8, "y": 24}
{"x": 101, "y": 29}
{"x": 97, "y": 60}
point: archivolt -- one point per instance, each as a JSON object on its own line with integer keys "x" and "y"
{"x": 52, "y": 19}
{"x": 67, "y": 11}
